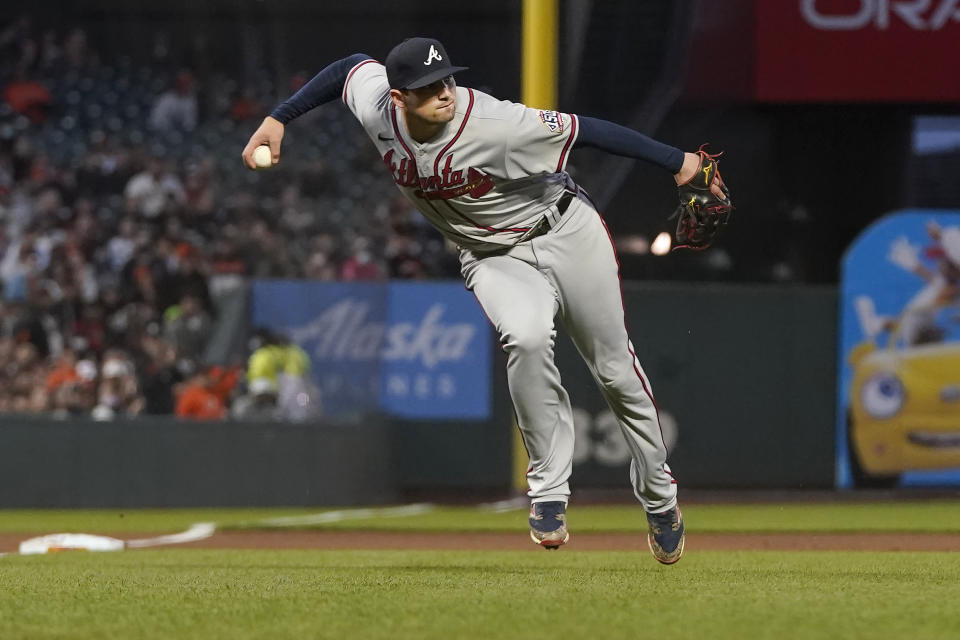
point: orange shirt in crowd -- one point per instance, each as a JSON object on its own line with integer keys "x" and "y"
{"x": 199, "y": 403}
{"x": 28, "y": 97}
{"x": 60, "y": 376}
{"x": 224, "y": 379}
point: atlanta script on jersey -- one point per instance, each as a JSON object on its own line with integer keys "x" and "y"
{"x": 494, "y": 171}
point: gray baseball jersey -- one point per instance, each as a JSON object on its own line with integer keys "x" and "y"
{"x": 489, "y": 181}
{"x": 488, "y": 178}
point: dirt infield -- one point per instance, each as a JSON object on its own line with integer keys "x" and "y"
{"x": 520, "y": 542}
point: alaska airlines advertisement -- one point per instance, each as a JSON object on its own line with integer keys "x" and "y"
{"x": 415, "y": 350}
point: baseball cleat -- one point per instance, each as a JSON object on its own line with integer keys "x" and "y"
{"x": 665, "y": 535}
{"x": 548, "y": 524}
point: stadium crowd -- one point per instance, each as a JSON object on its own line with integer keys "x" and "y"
{"x": 126, "y": 216}
{"x": 125, "y": 212}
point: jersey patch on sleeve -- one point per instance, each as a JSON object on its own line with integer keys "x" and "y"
{"x": 552, "y": 120}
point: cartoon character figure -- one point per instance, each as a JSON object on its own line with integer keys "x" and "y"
{"x": 904, "y": 404}
{"x": 917, "y": 323}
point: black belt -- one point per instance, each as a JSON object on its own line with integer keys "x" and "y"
{"x": 544, "y": 225}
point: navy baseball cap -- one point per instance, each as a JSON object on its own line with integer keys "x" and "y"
{"x": 417, "y": 62}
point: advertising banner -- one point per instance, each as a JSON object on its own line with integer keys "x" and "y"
{"x": 898, "y": 369}
{"x": 857, "y": 50}
{"x": 339, "y": 325}
{"x": 738, "y": 374}
{"x": 436, "y": 360}
{"x": 414, "y": 350}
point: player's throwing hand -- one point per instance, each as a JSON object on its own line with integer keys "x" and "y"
{"x": 269, "y": 133}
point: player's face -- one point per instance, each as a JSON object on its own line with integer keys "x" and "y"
{"x": 434, "y": 103}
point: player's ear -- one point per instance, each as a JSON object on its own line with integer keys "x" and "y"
{"x": 397, "y": 96}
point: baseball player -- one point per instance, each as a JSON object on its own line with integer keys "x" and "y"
{"x": 490, "y": 176}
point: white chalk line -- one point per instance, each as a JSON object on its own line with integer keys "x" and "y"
{"x": 203, "y": 530}
{"x": 339, "y": 516}
{"x": 197, "y": 531}
{"x": 510, "y": 504}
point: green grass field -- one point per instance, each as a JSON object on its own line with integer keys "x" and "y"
{"x": 192, "y": 593}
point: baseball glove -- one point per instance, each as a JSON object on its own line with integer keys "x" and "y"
{"x": 701, "y": 213}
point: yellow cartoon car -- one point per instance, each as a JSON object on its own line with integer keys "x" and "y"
{"x": 904, "y": 409}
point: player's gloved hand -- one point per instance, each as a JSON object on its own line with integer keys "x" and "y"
{"x": 705, "y": 204}
{"x": 904, "y": 254}
{"x": 269, "y": 133}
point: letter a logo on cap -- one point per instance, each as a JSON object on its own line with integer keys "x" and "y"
{"x": 433, "y": 55}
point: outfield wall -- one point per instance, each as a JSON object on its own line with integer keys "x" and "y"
{"x": 167, "y": 463}
{"x": 743, "y": 376}
{"x": 744, "y": 379}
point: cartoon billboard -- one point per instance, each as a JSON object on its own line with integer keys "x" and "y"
{"x": 898, "y": 409}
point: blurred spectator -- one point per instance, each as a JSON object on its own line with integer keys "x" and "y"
{"x": 14, "y": 37}
{"x": 91, "y": 327}
{"x": 176, "y": 108}
{"x": 223, "y": 381}
{"x": 199, "y": 191}
{"x": 19, "y": 266}
{"x": 321, "y": 263}
{"x": 403, "y": 258}
{"x": 72, "y": 399}
{"x": 198, "y": 399}
{"x": 278, "y": 372}
{"x": 246, "y": 106}
{"x": 319, "y": 266}
{"x": 28, "y": 97}
{"x": 227, "y": 263}
{"x": 106, "y": 167}
{"x": 187, "y": 328}
{"x": 150, "y": 192}
{"x": 51, "y": 53}
{"x": 186, "y": 276}
{"x": 258, "y": 404}
{"x": 158, "y": 374}
{"x": 118, "y": 393}
{"x": 76, "y": 50}
{"x": 361, "y": 264}
{"x": 120, "y": 248}
{"x": 26, "y": 325}
{"x": 38, "y": 400}
{"x": 64, "y": 371}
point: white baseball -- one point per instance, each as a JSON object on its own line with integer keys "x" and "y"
{"x": 262, "y": 157}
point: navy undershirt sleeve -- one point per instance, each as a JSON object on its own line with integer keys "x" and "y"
{"x": 324, "y": 87}
{"x": 621, "y": 141}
